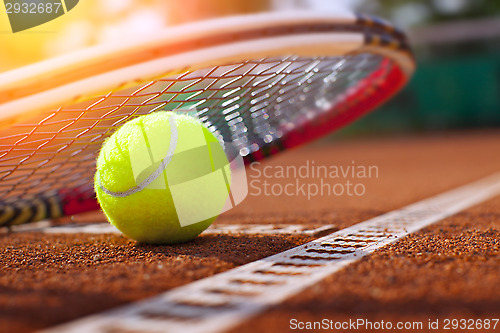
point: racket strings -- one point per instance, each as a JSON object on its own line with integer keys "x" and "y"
{"x": 250, "y": 104}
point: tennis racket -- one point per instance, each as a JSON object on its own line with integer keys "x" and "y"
{"x": 265, "y": 82}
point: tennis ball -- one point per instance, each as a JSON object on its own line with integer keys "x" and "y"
{"x": 162, "y": 178}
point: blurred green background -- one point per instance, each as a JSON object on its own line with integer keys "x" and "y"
{"x": 457, "y": 82}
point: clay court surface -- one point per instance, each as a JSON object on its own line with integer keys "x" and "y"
{"x": 447, "y": 270}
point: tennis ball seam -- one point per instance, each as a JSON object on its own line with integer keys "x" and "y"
{"x": 159, "y": 171}
{"x": 194, "y": 195}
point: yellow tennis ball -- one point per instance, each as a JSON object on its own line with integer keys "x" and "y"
{"x": 162, "y": 178}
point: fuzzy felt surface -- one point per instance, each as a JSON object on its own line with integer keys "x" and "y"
{"x": 188, "y": 188}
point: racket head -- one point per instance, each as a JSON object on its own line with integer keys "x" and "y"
{"x": 265, "y": 83}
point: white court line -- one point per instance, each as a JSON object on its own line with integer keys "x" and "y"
{"x": 225, "y": 300}
{"x": 245, "y": 229}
